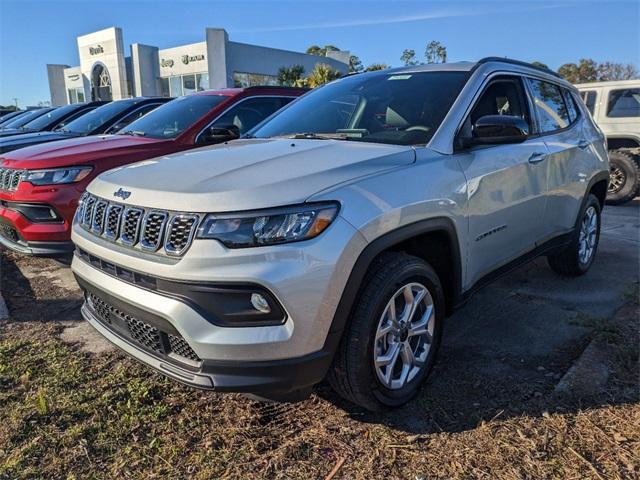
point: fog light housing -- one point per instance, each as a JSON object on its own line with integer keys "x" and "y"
{"x": 260, "y": 303}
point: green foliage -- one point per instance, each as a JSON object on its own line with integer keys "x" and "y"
{"x": 588, "y": 70}
{"x": 376, "y": 66}
{"x": 289, "y": 76}
{"x": 321, "y": 74}
{"x": 321, "y": 51}
{"x": 435, "y": 52}
{"x": 539, "y": 64}
{"x": 408, "y": 57}
{"x": 355, "y": 65}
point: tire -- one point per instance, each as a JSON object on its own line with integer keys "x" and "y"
{"x": 624, "y": 181}
{"x": 354, "y": 374}
{"x": 571, "y": 262}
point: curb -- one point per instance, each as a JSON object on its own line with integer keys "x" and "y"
{"x": 589, "y": 374}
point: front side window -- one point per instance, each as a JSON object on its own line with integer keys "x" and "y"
{"x": 550, "y": 106}
{"x": 173, "y": 118}
{"x": 502, "y": 97}
{"x": 393, "y": 108}
{"x": 249, "y": 113}
{"x": 624, "y": 103}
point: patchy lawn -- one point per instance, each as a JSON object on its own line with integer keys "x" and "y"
{"x": 69, "y": 414}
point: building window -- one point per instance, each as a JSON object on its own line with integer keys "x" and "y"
{"x": 202, "y": 81}
{"x": 243, "y": 79}
{"x": 178, "y": 85}
{"x": 76, "y": 95}
{"x": 188, "y": 84}
{"x": 164, "y": 87}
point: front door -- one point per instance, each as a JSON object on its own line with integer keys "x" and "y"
{"x": 506, "y": 185}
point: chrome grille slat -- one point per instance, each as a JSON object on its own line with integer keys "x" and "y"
{"x": 10, "y": 179}
{"x": 155, "y": 231}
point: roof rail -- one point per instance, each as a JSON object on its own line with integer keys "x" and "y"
{"x": 275, "y": 87}
{"x": 518, "y": 62}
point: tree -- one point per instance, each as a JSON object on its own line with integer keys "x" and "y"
{"x": 616, "y": 71}
{"x": 408, "y": 57}
{"x": 585, "y": 71}
{"x": 288, "y": 76}
{"x": 435, "y": 52}
{"x": 321, "y": 51}
{"x": 540, "y": 64}
{"x": 321, "y": 74}
{"x": 376, "y": 66}
{"x": 355, "y": 65}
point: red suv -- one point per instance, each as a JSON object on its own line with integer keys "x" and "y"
{"x": 40, "y": 185}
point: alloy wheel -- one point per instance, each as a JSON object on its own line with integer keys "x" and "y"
{"x": 617, "y": 179}
{"x": 404, "y": 336}
{"x": 588, "y": 235}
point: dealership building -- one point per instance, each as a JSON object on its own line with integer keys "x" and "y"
{"x": 108, "y": 72}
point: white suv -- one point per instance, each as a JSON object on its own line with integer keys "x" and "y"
{"x": 615, "y": 107}
{"x": 337, "y": 237}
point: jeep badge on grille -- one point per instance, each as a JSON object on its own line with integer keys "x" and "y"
{"x": 123, "y": 194}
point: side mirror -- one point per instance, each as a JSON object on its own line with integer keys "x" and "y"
{"x": 220, "y": 133}
{"x": 497, "y": 129}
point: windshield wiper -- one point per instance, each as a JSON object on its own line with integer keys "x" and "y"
{"x": 317, "y": 136}
{"x": 135, "y": 133}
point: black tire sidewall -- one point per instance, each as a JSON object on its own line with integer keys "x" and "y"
{"x": 632, "y": 183}
{"x": 422, "y": 273}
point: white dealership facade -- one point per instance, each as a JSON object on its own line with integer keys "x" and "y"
{"x": 106, "y": 72}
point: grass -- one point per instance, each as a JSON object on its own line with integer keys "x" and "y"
{"x": 68, "y": 414}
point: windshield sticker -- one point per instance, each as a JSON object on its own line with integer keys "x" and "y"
{"x": 399, "y": 77}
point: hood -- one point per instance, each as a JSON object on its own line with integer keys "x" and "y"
{"x": 248, "y": 174}
{"x": 14, "y": 142}
{"x": 71, "y": 151}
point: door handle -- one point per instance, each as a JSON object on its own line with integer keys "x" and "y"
{"x": 537, "y": 157}
{"x": 583, "y": 144}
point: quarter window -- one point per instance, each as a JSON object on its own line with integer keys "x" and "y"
{"x": 550, "y": 106}
{"x": 572, "y": 108}
{"x": 589, "y": 98}
{"x": 624, "y": 103}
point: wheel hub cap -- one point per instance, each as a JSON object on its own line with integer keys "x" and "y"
{"x": 404, "y": 336}
{"x": 617, "y": 179}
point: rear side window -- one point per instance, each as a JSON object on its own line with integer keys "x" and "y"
{"x": 552, "y": 111}
{"x": 624, "y": 103}
{"x": 589, "y": 98}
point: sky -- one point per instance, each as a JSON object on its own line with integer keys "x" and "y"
{"x": 33, "y": 34}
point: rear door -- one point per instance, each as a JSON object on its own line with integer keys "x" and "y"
{"x": 506, "y": 184}
{"x": 570, "y": 160}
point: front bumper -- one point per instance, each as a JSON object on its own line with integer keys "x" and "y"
{"x": 11, "y": 238}
{"x": 306, "y": 279}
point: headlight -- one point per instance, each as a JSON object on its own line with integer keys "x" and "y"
{"x": 55, "y": 175}
{"x": 269, "y": 227}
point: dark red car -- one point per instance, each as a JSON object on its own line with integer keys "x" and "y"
{"x": 40, "y": 185}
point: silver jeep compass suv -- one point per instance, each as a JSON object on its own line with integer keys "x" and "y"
{"x": 334, "y": 240}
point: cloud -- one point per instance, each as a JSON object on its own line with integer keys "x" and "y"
{"x": 364, "y": 22}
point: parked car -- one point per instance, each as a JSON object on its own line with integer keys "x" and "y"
{"x": 20, "y": 120}
{"x": 338, "y": 236}
{"x": 6, "y": 111}
{"x": 40, "y": 186}
{"x": 108, "y": 118}
{"x": 52, "y": 120}
{"x": 615, "y": 106}
{"x": 10, "y": 116}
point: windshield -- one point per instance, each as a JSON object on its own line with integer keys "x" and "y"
{"x": 171, "y": 119}
{"x": 10, "y": 117}
{"x": 50, "y": 118}
{"x": 396, "y": 108}
{"x": 26, "y": 118}
{"x": 89, "y": 122}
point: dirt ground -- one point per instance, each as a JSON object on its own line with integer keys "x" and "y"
{"x": 490, "y": 409}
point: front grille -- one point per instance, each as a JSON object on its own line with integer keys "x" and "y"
{"x": 180, "y": 233}
{"x": 151, "y": 230}
{"x": 145, "y": 335}
{"x": 10, "y": 179}
{"x": 131, "y": 226}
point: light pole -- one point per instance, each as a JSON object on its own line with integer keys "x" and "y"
{"x": 16, "y": 102}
